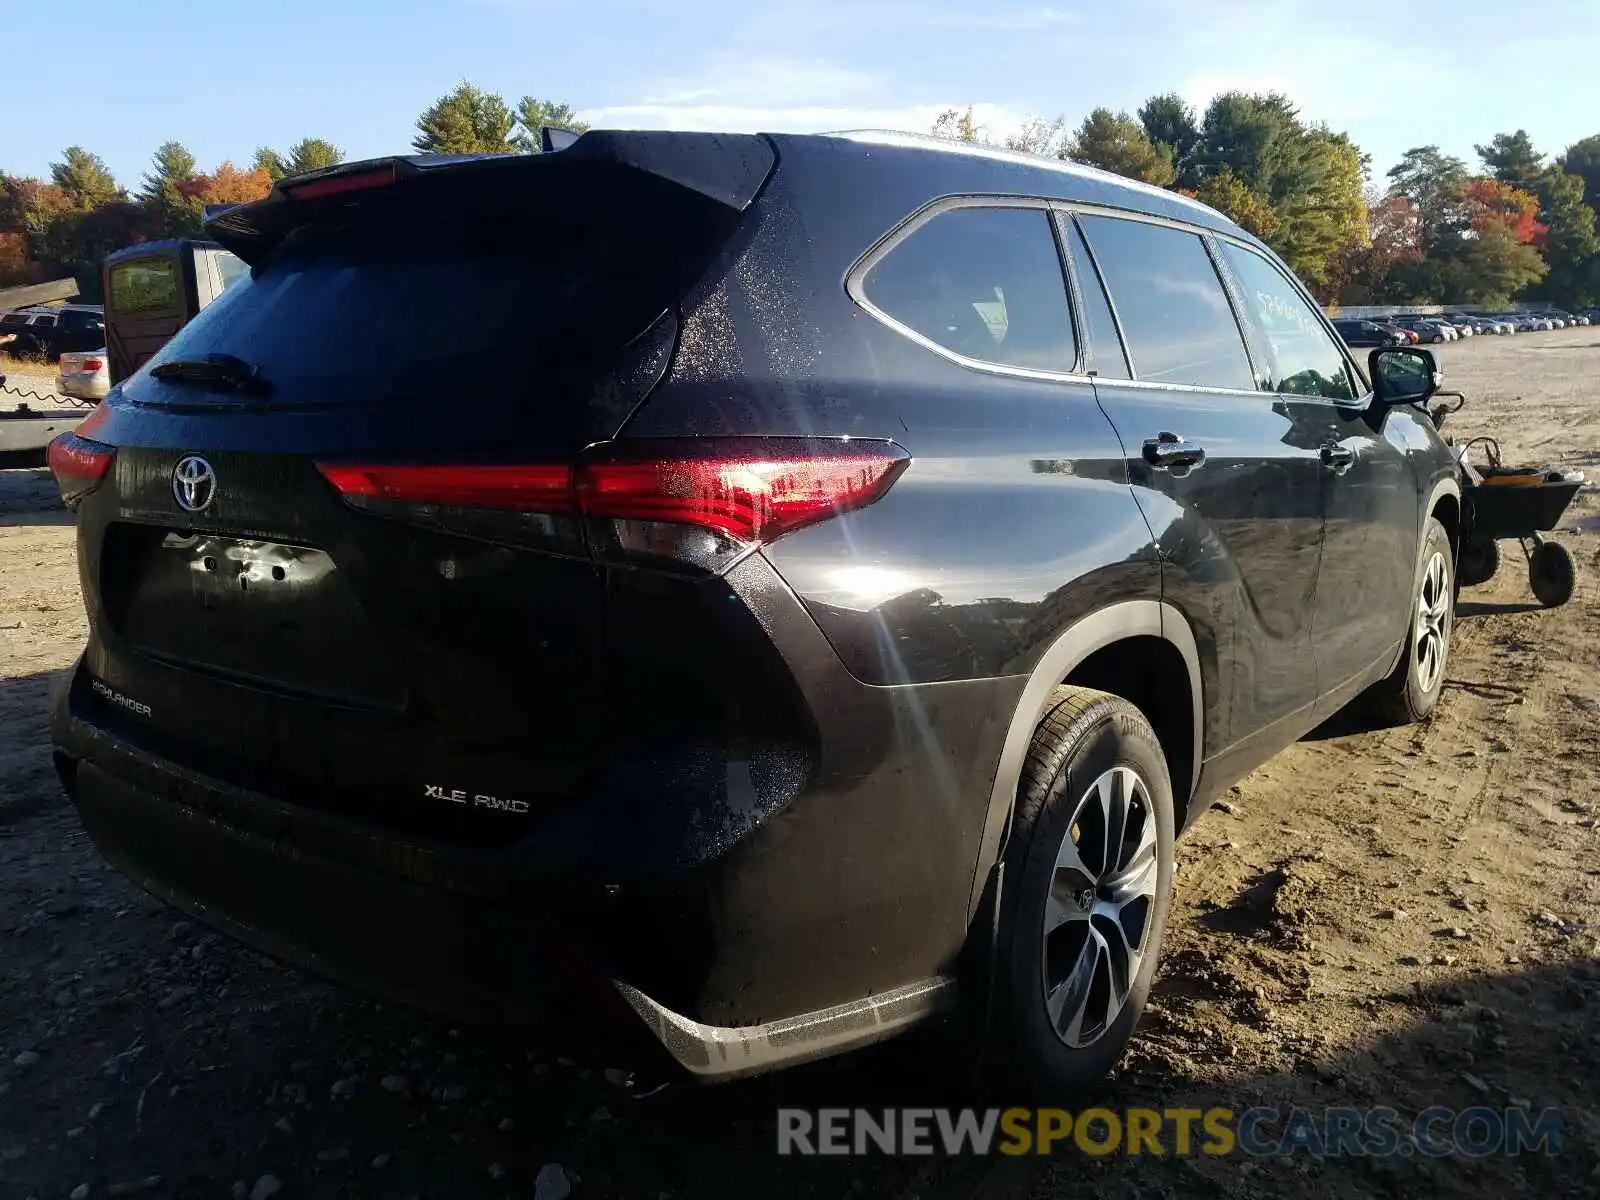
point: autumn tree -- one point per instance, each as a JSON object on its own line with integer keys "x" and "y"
{"x": 1365, "y": 272}
{"x": 1114, "y": 141}
{"x": 229, "y": 185}
{"x": 467, "y": 121}
{"x": 1435, "y": 184}
{"x": 1226, "y": 193}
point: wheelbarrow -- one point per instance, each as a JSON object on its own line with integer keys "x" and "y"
{"x": 1500, "y": 502}
{"x": 1505, "y": 503}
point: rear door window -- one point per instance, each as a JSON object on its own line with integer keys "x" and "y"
{"x": 983, "y": 283}
{"x": 1175, "y": 314}
{"x": 1301, "y": 358}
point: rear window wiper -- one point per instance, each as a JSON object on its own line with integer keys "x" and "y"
{"x": 224, "y": 369}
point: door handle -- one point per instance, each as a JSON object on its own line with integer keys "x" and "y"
{"x": 1169, "y": 452}
{"x": 1336, "y": 458}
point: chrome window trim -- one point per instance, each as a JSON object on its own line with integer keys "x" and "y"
{"x": 856, "y": 273}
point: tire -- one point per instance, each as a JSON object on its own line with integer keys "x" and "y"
{"x": 1478, "y": 561}
{"x": 1093, "y": 753}
{"x": 1552, "y": 575}
{"x": 1411, "y": 691}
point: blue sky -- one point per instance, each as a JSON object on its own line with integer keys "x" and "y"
{"x": 120, "y": 77}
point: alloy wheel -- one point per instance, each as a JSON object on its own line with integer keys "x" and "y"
{"x": 1432, "y": 630}
{"x": 1097, "y": 914}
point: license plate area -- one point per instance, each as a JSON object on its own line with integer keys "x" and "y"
{"x": 271, "y": 613}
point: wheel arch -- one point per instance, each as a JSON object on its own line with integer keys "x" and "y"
{"x": 1444, "y": 503}
{"x": 1117, "y": 634}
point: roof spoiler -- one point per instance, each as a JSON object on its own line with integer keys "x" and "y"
{"x": 729, "y": 169}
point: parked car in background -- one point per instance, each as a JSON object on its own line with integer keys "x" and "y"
{"x": 1427, "y": 330}
{"x": 402, "y": 699}
{"x": 1357, "y": 332}
{"x": 83, "y": 374}
{"x": 1478, "y": 325}
{"x": 44, "y": 331}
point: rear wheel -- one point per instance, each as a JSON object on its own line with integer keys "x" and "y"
{"x": 1552, "y": 574}
{"x": 1412, "y": 690}
{"x": 1088, "y": 872}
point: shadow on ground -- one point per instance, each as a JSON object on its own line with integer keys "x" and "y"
{"x": 163, "y": 1050}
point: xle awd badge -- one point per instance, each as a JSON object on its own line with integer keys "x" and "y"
{"x": 434, "y": 791}
{"x": 194, "y": 484}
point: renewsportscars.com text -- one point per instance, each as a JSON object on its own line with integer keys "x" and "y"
{"x": 1435, "y": 1132}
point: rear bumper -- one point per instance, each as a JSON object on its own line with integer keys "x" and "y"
{"x": 778, "y": 936}
{"x": 86, "y": 385}
{"x": 424, "y": 947}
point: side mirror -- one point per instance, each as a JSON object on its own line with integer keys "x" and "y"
{"x": 1403, "y": 374}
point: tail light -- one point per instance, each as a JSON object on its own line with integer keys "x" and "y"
{"x": 91, "y": 364}
{"x": 525, "y": 489}
{"x": 698, "y": 501}
{"x": 78, "y": 465}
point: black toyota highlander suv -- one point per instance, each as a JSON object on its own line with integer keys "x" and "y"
{"x": 753, "y": 592}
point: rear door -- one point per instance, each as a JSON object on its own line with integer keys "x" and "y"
{"x": 1228, "y": 477}
{"x": 326, "y": 584}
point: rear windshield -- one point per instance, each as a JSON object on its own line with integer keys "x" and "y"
{"x": 147, "y": 286}
{"x": 483, "y": 295}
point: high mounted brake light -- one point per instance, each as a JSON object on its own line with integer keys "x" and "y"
{"x": 333, "y": 185}
{"x": 744, "y": 491}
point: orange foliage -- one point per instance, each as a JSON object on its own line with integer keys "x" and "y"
{"x": 15, "y": 267}
{"x": 1492, "y": 204}
{"x": 229, "y": 185}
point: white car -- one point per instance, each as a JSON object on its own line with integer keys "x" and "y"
{"x": 83, "y": 374}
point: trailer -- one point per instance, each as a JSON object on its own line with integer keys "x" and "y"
{"x": 30, "y": 420}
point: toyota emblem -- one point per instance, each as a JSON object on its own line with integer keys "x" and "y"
{"x": 194, "y": 484}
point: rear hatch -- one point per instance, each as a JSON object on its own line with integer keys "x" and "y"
{"x": 284, "y": 590}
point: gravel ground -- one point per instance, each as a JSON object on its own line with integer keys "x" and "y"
{"x": 1405, "y": 917}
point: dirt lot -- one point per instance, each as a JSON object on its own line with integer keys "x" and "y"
{"x": 1401, "y": 918}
